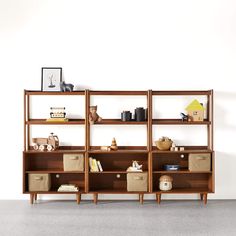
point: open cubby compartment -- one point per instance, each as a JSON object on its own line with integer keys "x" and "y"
{"x": 193, "y": 182}
{"x": 112, "y": 182}
{"x": 63, "y": 178}
{"x": 112, "y": 161}
{"x": 45, "y": 161}
{"x": 161, "y": 159}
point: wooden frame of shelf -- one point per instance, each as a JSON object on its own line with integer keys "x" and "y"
{"x": 148, "y": 154}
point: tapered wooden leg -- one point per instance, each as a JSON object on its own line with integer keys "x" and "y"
{"x": 78, "y": 198}
{"x": 141, "y": 195}
{"x": 158, "y": 198}
{"x": 31, "y": 198}
{"x": 201, "y": 196}
{"x": 95, "y": 198}
{"x": 35, "y": 196}
{"x": 205, "y": 198}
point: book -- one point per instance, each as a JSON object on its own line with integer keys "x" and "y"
{"x": 68, "y": 188}
{"x": 94, "y": 166}
{"x": 57, "y": 120}
{"x": 99, "y": 166}
{"x": 90, "y": 163}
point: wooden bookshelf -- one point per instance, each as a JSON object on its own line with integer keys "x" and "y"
{"x": 113, "y": 179}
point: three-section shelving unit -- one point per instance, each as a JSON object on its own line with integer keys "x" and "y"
{"x": 115, "y": 163}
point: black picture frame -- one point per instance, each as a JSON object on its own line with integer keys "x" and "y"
{"x": 51, "y": 78}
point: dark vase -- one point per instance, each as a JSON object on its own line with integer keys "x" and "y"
{"x": 139, "y": 114}
{"x": 126, "y": 116}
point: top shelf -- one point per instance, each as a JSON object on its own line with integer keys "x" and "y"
{"x": 38, "y": 92}
{"x": 182, "y": 92}
{"x": 122, "y": 93}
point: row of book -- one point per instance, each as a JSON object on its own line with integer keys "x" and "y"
{"x": 95, "y": 166}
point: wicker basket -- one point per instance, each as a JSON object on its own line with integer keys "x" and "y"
{"x": 163, "y": 145}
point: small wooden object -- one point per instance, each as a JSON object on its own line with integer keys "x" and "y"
{"x": 114, "y": 146}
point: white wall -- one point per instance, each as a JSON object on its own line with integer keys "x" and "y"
{"x": 118, "y": 45}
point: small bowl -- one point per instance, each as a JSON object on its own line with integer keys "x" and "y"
{"x": 163, "y": 145}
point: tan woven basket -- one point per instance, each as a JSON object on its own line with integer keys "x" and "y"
{"x": 163, "y": 145}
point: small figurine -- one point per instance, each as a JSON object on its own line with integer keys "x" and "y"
{"x": 184, "y": 117}
{"x": 66, "y": 87}
{"x": 93, "y": 116}
{"x": 113, "y": 145}
{"x": 135, "y": 167}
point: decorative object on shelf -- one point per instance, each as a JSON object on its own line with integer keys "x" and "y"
{"x": 173, "y": 147}
{"x": 73, "y": 162}
{"x": 199, "y": 162}
{"x": 51, "y": 79}
{"x": 51, "y": 143}
{"x": 195, "y": 111}
{"x": 164, "y": 143}
{"x": 126, "y": 116}
{"x": 57, "y": 112}
{"x": 139, "y": 114}
{"x": 39, "y": 182}
{"x": 184, "y": 117}
{"x": 181, "y": 149}
{"x": 93, "y": 116}
{"x": 113, "y": 146}
{"x": 95, "y": 166}
{"x": 165, "y": 183}
{"x": 171, "y": 167}
{"x": 137, "y": 182}
{"x": 66, "y": 87}
{"x": 105, "y": 148}
{"x": 135, "y": 167}
{"x": 68, "y": 188}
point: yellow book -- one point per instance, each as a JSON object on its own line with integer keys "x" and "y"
{"x": 94, "y": 166}
{"x": 57, "y": 120}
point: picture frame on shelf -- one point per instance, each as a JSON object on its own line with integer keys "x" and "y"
{"x": 51, "y": 78}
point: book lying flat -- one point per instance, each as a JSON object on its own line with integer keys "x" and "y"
{"x": 57, "y": 120}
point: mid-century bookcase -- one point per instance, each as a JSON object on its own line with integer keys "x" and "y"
{"x": 113, "y": 179}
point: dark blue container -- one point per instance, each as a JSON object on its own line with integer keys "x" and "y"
{"x": 171, "y": 167}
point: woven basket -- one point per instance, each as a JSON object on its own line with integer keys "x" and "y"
{"x": 163, "y": 145}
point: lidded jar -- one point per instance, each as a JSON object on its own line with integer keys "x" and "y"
{"x": 165, "y": 183}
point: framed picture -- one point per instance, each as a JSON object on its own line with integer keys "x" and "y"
{"x": 51, "y": 79}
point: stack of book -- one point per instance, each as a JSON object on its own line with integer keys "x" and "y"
{"x": 57, "y": 120}
{"x": 95, "y": 166}
{"x": 68, "y": 188}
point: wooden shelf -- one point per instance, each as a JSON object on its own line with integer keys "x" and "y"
{"x": 37, "y": 92}
{"x": 54, "y": 192}
{"x": 119, "y": 93}
{"x": 179, "y": 122}
{"x": 120, "y": 122}
{"x": 184, "y": 191}
{"x": 117, "y": 162}
{"x": 114, "y": 191}
{"x": 180, "y": 172}
{"x": 62, "y": 149}
{"x": 193, "y": 150}
{"x": 182, "y": 93}
{"x": 53, "y": 172}
{"x": 118, "y": 151}
{"x": 116, "y": 172}
{"x": 45, "y": 122}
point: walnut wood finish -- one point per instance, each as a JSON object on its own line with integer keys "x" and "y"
{"x": 113, "y": 179}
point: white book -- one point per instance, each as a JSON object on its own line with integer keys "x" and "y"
{"x": 99, "y": 166}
